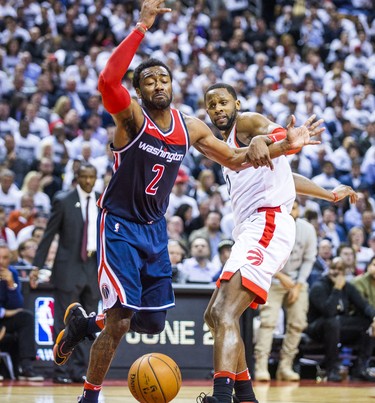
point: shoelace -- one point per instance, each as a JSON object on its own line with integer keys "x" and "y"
{"x": 201, "y": 397}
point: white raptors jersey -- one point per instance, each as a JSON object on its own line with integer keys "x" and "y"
{"x": 253, "y": 188}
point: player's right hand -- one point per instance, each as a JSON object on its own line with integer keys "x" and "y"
{"x": 150, "y": 9}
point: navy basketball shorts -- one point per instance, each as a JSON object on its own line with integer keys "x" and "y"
{"x": 134, "y": 266}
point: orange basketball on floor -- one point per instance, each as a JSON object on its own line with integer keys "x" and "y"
{"x": 154, "y": 378}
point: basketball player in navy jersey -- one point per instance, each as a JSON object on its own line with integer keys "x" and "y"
{"x": 149, "y": 145}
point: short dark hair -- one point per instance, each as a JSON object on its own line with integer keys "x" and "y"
{"x": 148, "y": 63}
{"x": 228, "y": 87}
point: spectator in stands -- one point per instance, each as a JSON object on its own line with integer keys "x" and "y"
{"x": 177, "y": 253}
{"x": 363, "y": 254}
{"x": 348, "y": 255}
{"x": 211, "y": 231}
{"x": 61, "y": 108}
{"x": 24, "y": 216}
{"x": 327, "y": 178}
{"x": 50, "y": 182}
{"x": 26, "y": 254}
{"x": 9, "y": 159}
{"x": 322, "y": 262}
{"x": 40, "y": 221}
{"x": 185, "y": 211}
{"x": 331, "y": 322}
{"x": 198, "y": 268}
{"x": 330, "y": 228}
{"x": 368, "y": 225}
{"x": 10, "y": 197}
{"x": 365, "y": 282}
{"x": 353, "y": 216}
{"x": 179, "y": 195}
{"x": 295, "y": 302}
{"x": 355, "y": 178}
{"x": 18, "y": 322}
{"x": 31, "y": 186}
{"x": 224, "y": 249}
{"x": 7, "y": 236}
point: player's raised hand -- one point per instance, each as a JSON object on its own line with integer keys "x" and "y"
{"x": 150, "y": 9}
{"x": 314, "y": 126}
{"x": 342, "y": 191}
{"x": 301, "y": 136}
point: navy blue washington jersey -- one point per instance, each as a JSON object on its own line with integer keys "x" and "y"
{"x": 144, "y": 171}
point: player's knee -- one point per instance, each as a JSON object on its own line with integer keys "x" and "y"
{"x": 207, "y": 318}
{"x": 148, "y": 322}
{"x": 156, "y": 327}
{"x": 221, "y": 317}
{"x": 118, "y": 329}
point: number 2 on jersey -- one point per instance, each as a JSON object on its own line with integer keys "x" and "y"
{"x": 151, "y": 189}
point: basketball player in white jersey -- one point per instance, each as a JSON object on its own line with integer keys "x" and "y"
{"x": 264, "y": 236}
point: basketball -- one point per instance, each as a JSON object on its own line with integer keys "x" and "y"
{"x": 154, "y": 378}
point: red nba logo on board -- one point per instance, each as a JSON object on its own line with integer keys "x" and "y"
{"x": 255, "y": 256}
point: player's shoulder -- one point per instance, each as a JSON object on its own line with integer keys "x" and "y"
{"x": 251, "y": 118}
{"x": 251, "y": 123}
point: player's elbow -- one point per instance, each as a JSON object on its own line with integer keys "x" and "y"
{"x": 102, "y": 82}
{"x": 106, "y": 82}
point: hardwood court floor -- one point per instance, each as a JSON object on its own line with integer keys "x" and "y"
{"x": 115, "y": 392}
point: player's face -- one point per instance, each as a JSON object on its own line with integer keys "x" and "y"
{"x": 221, "y": 108}
{"x": 155, "y": 88}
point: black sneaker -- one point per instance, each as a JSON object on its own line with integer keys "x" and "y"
{"x": 203, "y": 398}
{"x": 28, "y": 374}
{"x": 76, "y": 321}
{"x": 237, "y": 400}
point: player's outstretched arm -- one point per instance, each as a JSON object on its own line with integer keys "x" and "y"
{"x": 204, "y": 141}
{"x": 307, "y": 187}
{"x": 271, "y": 140}
{"x": 116, "y": 99}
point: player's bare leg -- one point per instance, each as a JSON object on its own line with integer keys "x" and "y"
{"x": 223, "y": 317}
{"x": 103, "y": 350}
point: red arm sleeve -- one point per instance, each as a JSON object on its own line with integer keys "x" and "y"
{"x": 279, "y": 134}
{"x": 115, "y": 97}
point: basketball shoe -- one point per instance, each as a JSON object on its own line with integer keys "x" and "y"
{"x": 203, "y": 398}
{"x": 76, "y": 321}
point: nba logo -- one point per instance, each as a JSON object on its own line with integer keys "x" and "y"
{"x": 44, "y": 312}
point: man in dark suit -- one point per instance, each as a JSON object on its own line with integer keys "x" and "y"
{"x": 74, "y": 273}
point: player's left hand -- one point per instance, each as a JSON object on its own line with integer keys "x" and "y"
{"x": 258, "y": 154}
{"x": 343, "y": 191}
{"x": 302, "y": 136}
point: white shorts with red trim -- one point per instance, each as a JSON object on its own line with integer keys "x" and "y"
{"x": 262, "y": 246}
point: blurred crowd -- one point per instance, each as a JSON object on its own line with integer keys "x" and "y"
{"x": 286, "y": 57}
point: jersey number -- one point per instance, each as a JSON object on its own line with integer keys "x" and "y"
{"x": 159, "y": 169}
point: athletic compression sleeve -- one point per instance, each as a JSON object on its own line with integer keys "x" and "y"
{"x": 279, "y": 134}
{"x": 115, "y": 96}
